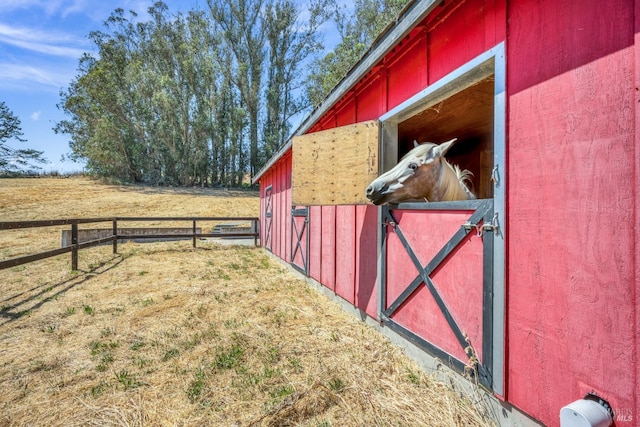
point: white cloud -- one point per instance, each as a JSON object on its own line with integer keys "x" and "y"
{"x": 49, "y": 7}
{"x": 96, "y": 10}
{"x": 47, "y": 42}
{"x": 23, "y": 76}
{"x": 35, "y": 116}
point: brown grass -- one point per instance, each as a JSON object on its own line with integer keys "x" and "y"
{"x": 163, "y": 335}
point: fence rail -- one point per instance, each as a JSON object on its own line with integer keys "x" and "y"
{"x": 75, "y": 246}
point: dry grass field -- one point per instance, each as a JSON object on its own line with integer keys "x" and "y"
{"x": 164, "y": 335}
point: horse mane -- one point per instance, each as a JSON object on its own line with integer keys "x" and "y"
{"x": 454, "y": 181}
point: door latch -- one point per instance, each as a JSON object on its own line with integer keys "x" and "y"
{"x": 493, "y": 226}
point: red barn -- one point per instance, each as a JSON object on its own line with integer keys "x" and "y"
{"x": 534, "y": 285}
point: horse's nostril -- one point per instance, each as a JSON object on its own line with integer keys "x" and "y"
{"x": 369, "y": 190}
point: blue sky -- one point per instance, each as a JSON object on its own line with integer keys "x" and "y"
{"x": 41, "y": 42}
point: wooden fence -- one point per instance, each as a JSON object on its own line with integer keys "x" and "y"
{"x": 76, "y": 246}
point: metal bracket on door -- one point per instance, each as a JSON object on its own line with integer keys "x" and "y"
{"x": 493, "y": 226}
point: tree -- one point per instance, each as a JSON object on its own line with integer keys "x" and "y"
{"x": 140, "y": 109}
{"x": 243, "y": 31}
{"x": 201, "y": 98}
{"x": 291, "y": 42}
{"x": 11, "y": 159}
{"x": 269, "y": 46}
{"x": 101, "y": 103}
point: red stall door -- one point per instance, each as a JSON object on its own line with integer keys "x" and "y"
{"x": 437, "y": 282}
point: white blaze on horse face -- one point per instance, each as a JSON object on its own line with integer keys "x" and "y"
{"x": 394, "y": 179}
{"x": 402, "y": 171}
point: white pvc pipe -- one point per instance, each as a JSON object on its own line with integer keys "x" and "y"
{"x": 585, "y": 413}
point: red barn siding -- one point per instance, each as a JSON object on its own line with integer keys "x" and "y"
{"x": 328, "y": 256}
{"x": 572, "y": 314}
{"x": 279, "y": 178}
{"x": 407, "y": 69}
{"x": 369, "y": 104}
{"x": 281, "y": 240}
{"x": 278, "y": 217}
{"x": 471, "y": 28}
{"x": 286, "y": 236}
{"x": 366, "y": 251}
{"x": 315, "y": 244}
{"x": 345, "y": 252}
{"x": 636, "y": 155}
{"x": 278, "y": 214}
{"x": 572, "y": 194}
{"x": 347, "y": 114}
{"x": 263, "y": 219}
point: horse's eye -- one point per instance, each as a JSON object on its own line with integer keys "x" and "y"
{"x": 413, "y": 166}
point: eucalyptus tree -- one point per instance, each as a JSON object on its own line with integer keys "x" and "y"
{"x": 242, "y": 28}
{"x": 178, "y": 71}
{"x": 201, "y": 69}
{"x": 140, "y": 107}
{"x": 201, "y": 98}
{"x": 101, "y": 126}
{"x": 270, "y": 43}
{"x": 229, "y": 143}
{"x": 292, "y": 42}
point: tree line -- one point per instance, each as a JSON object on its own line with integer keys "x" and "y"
{"x": 207, "y": 97}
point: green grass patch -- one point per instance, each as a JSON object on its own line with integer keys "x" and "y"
{"x": 197, "y": 385}
{"x": 228, "y": 358}
{"x": 170, "y": 354}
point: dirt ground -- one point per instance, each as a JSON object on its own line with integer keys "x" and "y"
{"x": 161, "y": 334}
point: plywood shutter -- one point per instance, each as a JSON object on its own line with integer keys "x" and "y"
{"x": 335, "y": 166}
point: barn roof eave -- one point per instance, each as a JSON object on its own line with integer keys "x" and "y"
{"x": 274, "y": 159}
{"x": 410, "y": 16}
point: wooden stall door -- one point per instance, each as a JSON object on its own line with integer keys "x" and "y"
{"x": 300, "y": 239}
{"x": 268, "y": 218}
{"x": 437, "y": 282}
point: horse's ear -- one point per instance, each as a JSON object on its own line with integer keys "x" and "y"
{"x": 415, "y": 143}
{"x": 441, "y": 150}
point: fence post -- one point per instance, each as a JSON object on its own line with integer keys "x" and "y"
{"x": 255, "y": 230}
{"x": 194, "y": 234}
{"x": 74, "y": 246}
{"x": 115, "y": 236}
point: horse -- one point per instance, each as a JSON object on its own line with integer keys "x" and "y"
{"x": 422, "y": 174}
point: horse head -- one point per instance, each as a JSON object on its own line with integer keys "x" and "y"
{"x": 422, "y": 174}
